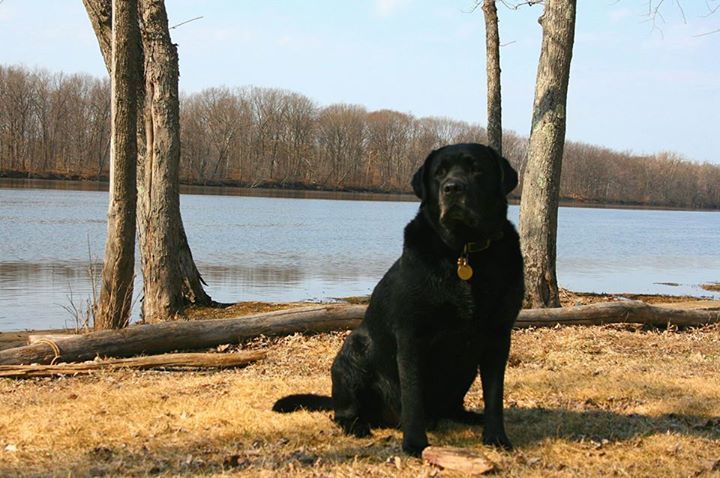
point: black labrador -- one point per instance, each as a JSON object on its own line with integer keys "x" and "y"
{"x": 443, "y": 310}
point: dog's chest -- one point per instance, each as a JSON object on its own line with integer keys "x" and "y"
{"x": 460, "y": 306}
{"x": 475, "y": 300}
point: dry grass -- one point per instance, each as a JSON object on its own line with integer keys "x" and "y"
{"x": 570, "y": 298}
{"x": 224, "y": 311}
{"x": 592, "y": 401}
{"x": 712, "y": 286}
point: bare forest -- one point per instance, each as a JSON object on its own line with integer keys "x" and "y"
{"x": 56, "y": 125}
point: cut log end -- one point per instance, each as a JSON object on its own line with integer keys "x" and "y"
{"x": 462, "y": 460}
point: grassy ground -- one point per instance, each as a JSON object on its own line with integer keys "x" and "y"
{"x": 581, "y": 401}
{"x": 712, "y": 286}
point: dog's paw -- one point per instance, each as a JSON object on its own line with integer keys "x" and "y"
{"x": 414, "y": 445}
{"x": 355, "y": 427}
{"x": 499, "y": 440}
{"x": 468, "y": 417}
{"x": 431, "y": 424}
{"x": 361, "y": 430}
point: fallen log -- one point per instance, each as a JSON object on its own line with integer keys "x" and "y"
{"x": 184, "y": 335}
{"x": 188, "y": 335}
{"x": 166, "y": 361}
{"x": 35, "y": 338}
{"x": 621, "y": 312}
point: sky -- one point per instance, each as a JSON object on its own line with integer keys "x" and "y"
{"x": 634, "y": 86}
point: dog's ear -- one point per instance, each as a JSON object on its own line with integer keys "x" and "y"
{"x": 418, "y": 182}
{"x": 508, "y": 176}
{"x": 418, "y": 179}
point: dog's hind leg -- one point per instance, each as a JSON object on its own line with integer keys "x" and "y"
{"x": 348, "y": 387}
{"x": 467, "y": 417}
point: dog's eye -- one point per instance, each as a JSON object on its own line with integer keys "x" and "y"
{"x": 475, "y": 169}
{"x": 439, "y": 172}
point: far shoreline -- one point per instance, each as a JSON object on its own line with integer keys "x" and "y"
{"x": 228, "y": 188}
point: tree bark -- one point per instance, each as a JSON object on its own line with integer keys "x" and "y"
{"x": 159, "y": 211}
{"x": 153, "y": 229}
{"x": 165, "y": 361}
{"x": 541, "y": 187}
{"x": 187, "y": 335}
{"x": 113, "y": 307}
{"x": 494, "y": 103}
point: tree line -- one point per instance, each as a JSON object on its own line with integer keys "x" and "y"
{"x": 58, "y": 125}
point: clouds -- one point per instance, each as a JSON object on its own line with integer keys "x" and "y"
{"x": 619, "y": 15}
{"x": 387, "y": 8}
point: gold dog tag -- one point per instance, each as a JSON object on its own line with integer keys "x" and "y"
{"x": 464, "y": 271}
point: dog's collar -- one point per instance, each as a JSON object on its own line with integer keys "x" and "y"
{"x": 464, "y": 270}
{"x": 480, "y": 246}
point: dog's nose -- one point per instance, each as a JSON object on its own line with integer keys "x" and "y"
{"x": 453, "y": 187}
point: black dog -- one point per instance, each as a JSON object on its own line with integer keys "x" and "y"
{"x": 445, "y": 308}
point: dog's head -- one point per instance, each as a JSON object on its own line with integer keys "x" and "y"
{"x": 463, "y": 188}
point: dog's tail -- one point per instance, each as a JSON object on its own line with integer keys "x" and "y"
{"x": 304, "y": 401}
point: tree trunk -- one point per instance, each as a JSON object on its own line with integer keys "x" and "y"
{"x": 541, "y": 186}
{"x": 159, "y": 203}
{"x": 113, "y": 308}
{"x": 494, "y": 105}
{"x": 190, "y": 284}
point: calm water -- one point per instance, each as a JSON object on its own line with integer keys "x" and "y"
{"x": 290, "y": 249}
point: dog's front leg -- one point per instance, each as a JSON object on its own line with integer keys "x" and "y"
{"x": 412, "y": 409}
{"x": 492, "y": 374}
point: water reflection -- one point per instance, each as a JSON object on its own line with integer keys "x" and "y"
{"x": 36, "y": 295}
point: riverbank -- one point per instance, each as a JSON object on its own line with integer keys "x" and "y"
{"x": 238, "y": 188}
{"x": 581, "y": 401}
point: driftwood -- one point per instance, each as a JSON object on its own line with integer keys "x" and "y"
{"x": 35, "y": 338}
{"x": 461, "y": 460}
{"x": 184, "y": 335}
{"x": 622, "y": 312}
{"x": 167, "y": 361}
{"x": 187, "y": 335}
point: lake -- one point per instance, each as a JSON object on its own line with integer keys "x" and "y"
{"x": 316, "y": 247}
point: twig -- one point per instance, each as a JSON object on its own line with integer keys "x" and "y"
{"x": 711, "y": 10}
{"x": 515, "y": 6}
{"x": 186, "y": 21}
{"x": 682, "y": 12}
{"x": 707, "y": 33}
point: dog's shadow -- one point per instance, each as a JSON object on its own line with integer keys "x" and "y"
{"x": 526, "y": 426}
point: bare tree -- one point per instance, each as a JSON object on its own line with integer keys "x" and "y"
{"x": 62, "y": 131}
{"x": 158, "y": 198}
{"x": 541, "y": 185}
{"x": 492, "y": 55}
{"x": 113, "y": 308}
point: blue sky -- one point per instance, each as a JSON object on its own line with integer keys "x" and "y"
{"x": 631, "y": 87}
